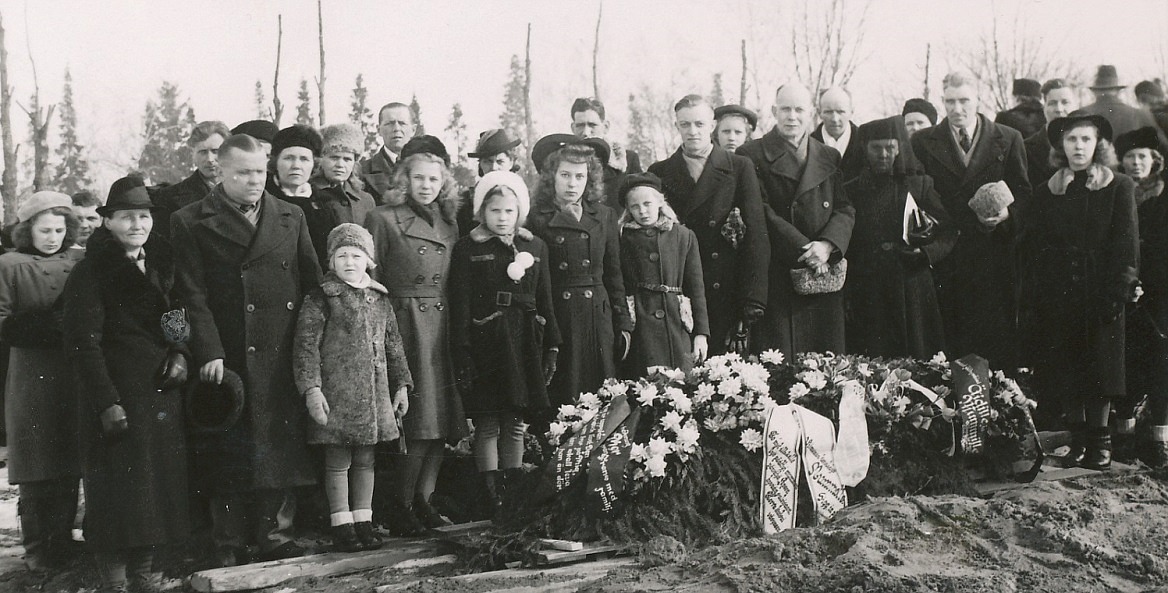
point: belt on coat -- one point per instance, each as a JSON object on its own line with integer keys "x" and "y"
{"x": 514, "y": 299}
{"x": 412, "y": 292}
{"x": 659, "y": 287}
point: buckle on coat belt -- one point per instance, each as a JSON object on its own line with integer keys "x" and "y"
{"x": 503, "y": 299}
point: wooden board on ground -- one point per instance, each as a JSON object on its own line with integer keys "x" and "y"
{"x": 405, "y": 556}
{"x": 509, "y": 581}
{"x": 462, "y": 528}
{"x": 547, "y": 557}
{"x": 1052, "y": 470}
{"x": 562, "y": 544}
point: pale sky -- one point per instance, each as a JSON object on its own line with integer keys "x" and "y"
{"x": 448, "y": 51}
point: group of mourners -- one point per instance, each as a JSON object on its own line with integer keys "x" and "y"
{"x": 294, "y": 314}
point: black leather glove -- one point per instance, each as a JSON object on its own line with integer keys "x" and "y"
{"x": 113, "y": 421}
{"x": 173, "y": 372}
{"x": 34, "y": 329}
{"x": 738, "y": 339}
{"x": 550, "y": 358}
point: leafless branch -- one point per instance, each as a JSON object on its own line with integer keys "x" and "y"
{"x": 596, "y": 51}
{"x": 277, "y": 104}
{"x": 320, "y": 79}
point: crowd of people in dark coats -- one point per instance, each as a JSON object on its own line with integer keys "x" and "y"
{"x": 298, "y": 313}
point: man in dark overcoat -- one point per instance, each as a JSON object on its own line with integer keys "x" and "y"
{"x": 1060, "y": 98}
{"x": 838, "y": 131}
{"x": 977, "y": 282}
{"x": 1108, "y": 89}
{"x": 809, "y": 222}
{"x": 588, "y": 121}
{"x": 205, "y": 139}
{"x": 1026, "y": 115}
{"x": 396, "y": 125}
{"x": 715, "y": 194}
{"x": 244, "y": 260}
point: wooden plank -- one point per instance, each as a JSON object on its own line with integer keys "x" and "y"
{"x": 562, "y": 544}
{"x": 406, "y": 556}
{"x": 579, "y": 573}
{"x": 1052, "y": 472}
{"x": 462, "y": 528}
{"x": 563, "y": 557}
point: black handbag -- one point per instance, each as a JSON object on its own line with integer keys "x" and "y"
{"x": 922, "y": 228}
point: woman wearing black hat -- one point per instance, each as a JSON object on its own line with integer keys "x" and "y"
{"x": 1079, "y": 254}
{"x": 294, "y": 153}
{"x": 1147, "y": 319}
{"x": 126, "y": 348}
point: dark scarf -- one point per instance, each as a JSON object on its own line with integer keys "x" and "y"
{"x": 429, "y": 213}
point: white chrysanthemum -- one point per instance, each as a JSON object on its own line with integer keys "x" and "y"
{"x": 939, "y": 358}
{"x": 771, "y": 357}
{"x": 815, "y": 380}
{"x": 656, "y": 466}
{"x": 658, "y": 447}
{"x": 556, "y": 430}
{"x": 704, "y": 392}
{"x": 681, "y": 402}
{"x": 765, "y": 403}
{"x": 638, "y": 452}
{"x": 751, "y": 439}
{"x": 864, "y": 369}
{"x": 569, "y": 411}
{"x": 811, "y": 363}
{"x": 712, "y": 424}
{"x": 798, "y": 390}
{"x": 719, "y": 373}
{"x": 589, "y": 400}
{"x": 721, "y": 407}
{"x": 687, "y": 437}
{"x": 647, "y": 395}
{"x": 671, "y": 421}
{"x": 730, "y": 387}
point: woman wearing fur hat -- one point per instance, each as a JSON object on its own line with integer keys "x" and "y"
{"x": 503, "y": 330}
{"x": 413, "y": 233}
{"x": 583, "y": 239}
{"x": 350, "y": 364}
{"x": 1147, "y": 319}
{"x": 40, "y": 410}
{"x": 663, "y": 277}
{"x": 128, "y": 371}
{"x": 1080, "y": 251}
{"x": 342, "y": 193}
{"x": 295, "y": 150}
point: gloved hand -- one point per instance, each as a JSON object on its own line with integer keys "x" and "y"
{"x": 401, "y": 402}
{"x": 752, "y": 313}
{"x": 738, "y": 339}
{"x": 913, "y": 255}
{"x": 113, "y": 421}
{"x": 173, "y": 372}
{"x": 318, "y": 408}
{"x": 550, "y": 357}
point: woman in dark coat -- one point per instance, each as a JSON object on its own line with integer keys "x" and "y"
{"x": 413, "y": 233}
{"x": 1079, "y": 252}
{"x": 583, "y": 241}
{"x": 128, "y": 373}
{"x": 503, "y": 330}
{"x": 891, "y": 299}
{"x": 40, "y": 409}
{"x": 294, "y": 153}
{"x": 1147, "y": 319}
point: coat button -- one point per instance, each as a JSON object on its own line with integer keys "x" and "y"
{"x": 717, "y": 285}
{"x": 423, "y": 307}
{"x": 586, "y": 262}
{"x": 422, "y": 250}
{"x": 714, "y": 255}
{"x": 563, "y": 265}
{"x": 584, "y": 236}
{"x": 441, "y": 249}
{"x": 250, "y": 308}
{"x": 420, "y": 279}
{"x": 826, "y": 204}
{"x": 245, "y": 266}
{"x": 659, "y": 314}
{"x": 251, "y": 349}
{"x": 369, "y": 299}
{"x": 284, "y": 265}
{"x": 712, "y": 223}
{"x": 440, "y": 306}
{"x": 290, "y": 306}
{"x": 588, "y": 293}
{"x": 437, "y": 277}
{"x": 654, "y": 256}
{"x": 567, "y": 294}
{"x": 560, "y": 240}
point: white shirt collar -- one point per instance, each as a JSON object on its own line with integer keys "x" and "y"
{"x": 841, "y": 144}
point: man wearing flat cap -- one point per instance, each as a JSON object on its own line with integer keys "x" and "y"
{"x": 243, "y": 261}
{"x": 589, "y": 121}
{"x": 396, "y": 125}
{"x": 1108, "y": 89}
{"x": 716, "y": 194}
{"x": 260, "y": 129}
{"x": 977, "y": 282}
{"x": 204, "y": 141}
{"x": 1026, "y": 115}
{"x": 734, "y": 125}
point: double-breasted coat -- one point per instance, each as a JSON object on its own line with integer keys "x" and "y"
{"x": 348, "y": 346}
{"x": 1080, "y": 252}
{"x": 40, "y": 409}
{"x": 891, "y": 299}
{"x": 588, "y": 290}
{"x": 802, "y": 204}
{"x": 734, "y": 273}
{"x": 172, "y": 198}
{"x": 376, "y": 174}
{"x": 413, "y": 263}
{"x": 242, "y": 286}
{"x": 500, "y": 328}
{"x": 977, "y": 283}
{"x": 135, "y": 483}
{"x": 662, "y": 264}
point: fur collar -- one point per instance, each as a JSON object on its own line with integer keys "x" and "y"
{"x": 116, "y": 272}
{"x": 665, "y": 222}
{"x": 334, "y": 286}
{"x": 480, "y": 234}
{"x": 1152, "y": 185}
{"x": 1098, "y": 177}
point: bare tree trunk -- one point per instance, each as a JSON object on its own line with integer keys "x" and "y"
{"x": 8, "y": 185}
{"x": 928, "y": 59}
{"x": 320, "y": 80}
{"x": 742, "y": 85}
{"x": 39, "y": 123}
{"x": 277, "y": 104}
{"x": 529, "y": 126}
{"x": 596, "y": 52}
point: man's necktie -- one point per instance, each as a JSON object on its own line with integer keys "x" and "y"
{"x": 245, "y": 208}
{"x": 966, "y": 143}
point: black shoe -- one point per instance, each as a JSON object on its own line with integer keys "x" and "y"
{"x": 1157, "y": 455}
{"x": 282, "y": 551}
{"x": 345, "y": 539}
{"x": 367, "y": 535}
{"x": 228, "y": 556}
{"x": 427, "y": 515}
{"x": 1097, "y": 455}
{"x": 492, "y": 505}
{"x": 402, "y": 522}
{"x": 1074, "y": 456}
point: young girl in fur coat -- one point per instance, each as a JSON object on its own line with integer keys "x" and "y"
{"x": 503, "y": 331}
{"x": 348, "y": 360}
{"x": 663, "y": 278}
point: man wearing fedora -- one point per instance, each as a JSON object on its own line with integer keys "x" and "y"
{"x": 1108, "y": 88}
{"x": 244, "y": 260}
{"x": 589, "y": 121}
{"x": 204, "y": 142}
{"x": 396, "y": 125}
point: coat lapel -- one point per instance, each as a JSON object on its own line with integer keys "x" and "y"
{"x": 223, "y": 219}
{"x": 273, "y": 229}
{"x": 715, "y": 175}
{"x": 819, "y": 167}
{"x": 413, "y": 226}
{"x": 562, "y": 220}
{"x": 988, "y": 147}
{"x": 782, "y": 163}
{"x": 677, "y": 183}
{"x": 944, "y": 147}
{"x": 590, "y": 218}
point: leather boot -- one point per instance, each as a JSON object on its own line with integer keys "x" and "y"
{"x": 345, "y": 538}
{"x": 1097, "y": 454}
{"x": 1158, "y": 454}
{"x": 401, "y": 521}
{"x": 367, "y": 535}
{"x": 1078, "y": 448}
{"x": 427, "y": 515}
{"x": 34, "y": 534}
{"x": 494, "y": 501}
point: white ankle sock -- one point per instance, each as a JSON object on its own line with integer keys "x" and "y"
{"x": 342, "y": 518}
{"x": 1159, "y": 433}
{"x": 362, "y": 516}
{"x": 1125, "y": 425}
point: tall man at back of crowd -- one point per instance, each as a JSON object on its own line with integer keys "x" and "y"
{"x": 1026, "y": 115}
{"x": 204, "y": 141}
{"x": 1059, "y": 99}
{"x": 1150, "y": 95}
{"x": 589, "y": 121}
{"x": 396, "y": 125}
{"x": 715, "y": 193}
{"x": 839, "y": 132}
{"x": 976, "y": 283}
{"x": 1108, "y": 90}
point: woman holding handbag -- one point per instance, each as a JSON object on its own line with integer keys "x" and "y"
{"x": 126, "y": 347}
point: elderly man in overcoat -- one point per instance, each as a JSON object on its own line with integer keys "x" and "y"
{"x": 715, "y": 194}
{"x": 977, "y": 282}
{"x": 809, "y": 222}
{"x": 243, "y": 261}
